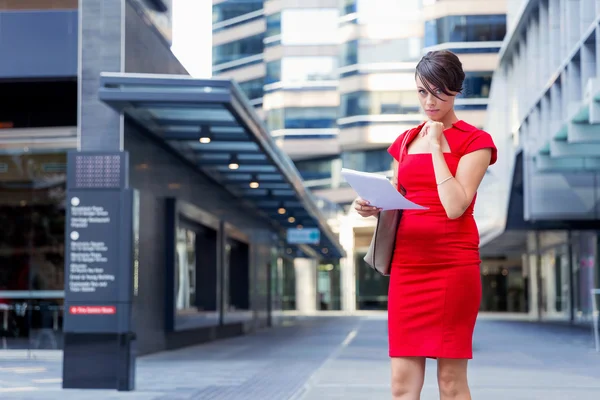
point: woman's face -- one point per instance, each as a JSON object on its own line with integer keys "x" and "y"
{"x": 435, "y": 108}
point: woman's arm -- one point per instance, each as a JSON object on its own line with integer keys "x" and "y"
{"x": 395, "y": 173}
{"x": 456, "y": 193}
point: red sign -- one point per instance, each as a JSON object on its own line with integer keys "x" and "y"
{"x": 93, "y": 310}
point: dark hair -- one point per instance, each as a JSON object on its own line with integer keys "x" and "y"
{"x": 443, "y": 70}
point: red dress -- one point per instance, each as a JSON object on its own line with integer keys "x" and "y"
{"x": 435, "y": 285}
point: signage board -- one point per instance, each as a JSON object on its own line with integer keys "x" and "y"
{"x": 92, "y": 246}
{"x": 303, "y": 236}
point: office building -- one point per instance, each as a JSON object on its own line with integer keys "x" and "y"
{"x": 197, "y": 249}
{"x": 542, "y": 203}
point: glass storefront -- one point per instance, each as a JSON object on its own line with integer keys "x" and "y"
{"x": 32, "y": 216}
{"x": 562, "y": 275}
{"x": 504, "y": 286}
{"x": 371, "y": 287}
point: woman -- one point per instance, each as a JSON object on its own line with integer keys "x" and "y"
{"x": 435, "y": 286}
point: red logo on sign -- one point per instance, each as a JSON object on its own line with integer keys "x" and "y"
{"x": 93, "y": 310}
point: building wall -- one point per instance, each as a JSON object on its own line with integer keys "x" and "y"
{"x": 148, "y": 51}
{"x": 158, "y": 174}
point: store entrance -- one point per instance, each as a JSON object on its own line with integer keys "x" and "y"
{"x": 32, "y": 217}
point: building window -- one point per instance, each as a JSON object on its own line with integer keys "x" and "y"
{"x": 273, "y": 72}
{"x": 368, "y": 51}
{"x": 302, "y": 69}
{"x": 376, "y": 103}
{"x": 347, "y": 7}
{"x": 467, "y": 28}
{"x": 238, "y": 49}
{"x": 253, "y": 89}
{"x": 377, "y": 160}
{"x": 378, "y": 12}
{"x": 234, "y": 8}
{"x": 316, "y": 168}
{"x": 323, "y": 25}
{"x": 302, "y": 118}
{"x": 477, "y": 85}
{"x": 273, "y": 24}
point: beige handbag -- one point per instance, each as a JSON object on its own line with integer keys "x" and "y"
{"x": 380, "y": 253}
{"x": 381, "y": 250}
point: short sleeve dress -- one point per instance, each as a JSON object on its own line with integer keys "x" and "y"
{"x": 435, "y": 287}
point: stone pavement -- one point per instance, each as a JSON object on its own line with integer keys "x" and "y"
{"x": 326, "y": 358}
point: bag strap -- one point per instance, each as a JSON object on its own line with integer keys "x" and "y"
{"x": 409, "y": 135}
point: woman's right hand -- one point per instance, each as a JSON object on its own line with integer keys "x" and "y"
{"x": 364, "y": 209}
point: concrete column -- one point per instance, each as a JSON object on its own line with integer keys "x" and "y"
{"x": 348, "y": 266}
{"x": 306, "y": 285}
{"x": 101, "y": 49}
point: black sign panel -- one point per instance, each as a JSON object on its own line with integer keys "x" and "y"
{"x": 92, "y": 250}
{"x": 98, "y": 259}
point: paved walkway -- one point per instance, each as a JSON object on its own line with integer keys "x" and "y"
{"x": 336, "y": 358}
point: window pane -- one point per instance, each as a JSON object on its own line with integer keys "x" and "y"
{"x": 384, "y": 11}
{"x": 367, "y": 51}
{"x": 315, "y": 168}
{"x": 301, "y": 69}
{"x": 310, "y": 118}
{"x": 185, "y": 270}
{"x": 234, "y": 8}
{"x": 376, "y": 103}
{"x": 238, "y": 49}
{"x": 472, "y": 28}
{"x": 273, "y": 24}
{"x": 368, "y": 161}
{"x": 323, "y": 25}
{"x": 273, "y": 72}
{"x": 477, "y": 85}
{"x": 253, "y": 89}
{"x": 302, "y": 118}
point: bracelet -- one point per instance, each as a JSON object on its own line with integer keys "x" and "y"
{"x": 445, "y": 180}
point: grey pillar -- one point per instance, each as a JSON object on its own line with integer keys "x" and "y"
{"x": 101, "y": 49}
{"x": 98, "y": 332}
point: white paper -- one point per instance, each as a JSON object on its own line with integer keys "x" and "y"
{"x": 378, "y": 191}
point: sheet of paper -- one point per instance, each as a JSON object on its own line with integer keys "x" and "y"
{"x": 378, "y": 190}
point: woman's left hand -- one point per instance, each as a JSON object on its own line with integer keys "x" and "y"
{"x": 433, "y": 131}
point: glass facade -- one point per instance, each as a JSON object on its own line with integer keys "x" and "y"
{"x": 323, "y": 26}
{"x": 368, "y": 51}
{"x": 242, "y": 48}
{"x": 234, "y": 8}
{"x": 302, "y": 118}
{"x": 377, "y": 103}
{"x": 467, "y": 28}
